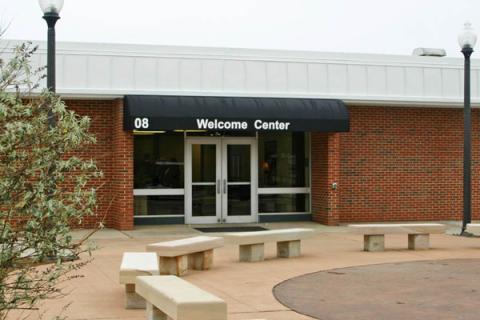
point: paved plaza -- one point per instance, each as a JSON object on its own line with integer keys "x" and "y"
{"x": 248, "y": 287}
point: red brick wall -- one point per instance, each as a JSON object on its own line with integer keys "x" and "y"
{"x": 114, "y": 156}
{"x": 405, "y": 164}
{"x": 122, "y": 166}
{"x": 325, "y": 150}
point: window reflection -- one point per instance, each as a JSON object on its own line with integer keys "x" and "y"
{"x": 158, "y": 161}
{"x": 283, "y": 160}
{"x": 273, "y": 203}
{"x": 158, "y": 205}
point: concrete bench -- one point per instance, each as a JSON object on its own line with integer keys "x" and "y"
{"x": 136, "y": 264}
{"x": 175, "y": 257}
{"x": 251, "y": 244}
{"x": 418, "y": 234}
{"x": 170, "y": 297}
{"x": 473, "y": 228}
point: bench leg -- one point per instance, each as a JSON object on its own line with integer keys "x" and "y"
{"x": 251, "y": 252}
{"x": 153, "y": 313}
{"x": 173, "y": 265}
{"x": 201, "y": 260}
{"x": 373, "y": 242}
{"x": 418, "y": 241}
{"x": 288, "y": 249}
{"x": 134, "y": 300}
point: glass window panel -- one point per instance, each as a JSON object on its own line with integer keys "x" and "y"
{"x": 204, "y": 201}
{"x": 204, "y": 162}
{"x": 158, "y": 161}
{"x": 272, "y": 203}
{"x": 239, "y": 199}
{"x": 158, "y": 205}
{"x": 238, "y": 163}
{"x": 283, "y": 160}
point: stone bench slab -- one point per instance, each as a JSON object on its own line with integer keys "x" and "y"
{"x": 280, "y": 235}
{"x": 400, "y": 228}
{"x": 179, "y": 299}
{"x": 137, "y": 264}
{"x": 474, "y": 228}
{"x": 186, "y": 246}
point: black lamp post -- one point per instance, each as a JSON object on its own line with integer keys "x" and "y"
{"x": 51, "y": 10}
{"x": 467, "y": 39}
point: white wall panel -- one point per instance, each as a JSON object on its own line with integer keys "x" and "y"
{"x": 95, "y": 70}
{"x": 317, "y": 78}
{"x": 190, "y": 74}
{"x": 168, "y": 74}
{"x": 100, "y": 72}
{"x": 234, "y": 75}
{"x": 297, "y": 77}
{"x": 395, "y": 81}
{"x": 277, "y": 77}
{"x": 377, "y": 80}
{"x": 75, "y": 71}
{"x": 123, "y": 75}
{"x": 256, "y": 76}
{"x": 357, "y": 79}
{"x": 450, "y": 82}
{"x": 337, "y": 78}
{"x": 474, "y": 89}
{"x": 146, "y": 74}
{"x": 212, "y": 75}
{"x": 414, "y": 82}
{"x": 432, "y": 81}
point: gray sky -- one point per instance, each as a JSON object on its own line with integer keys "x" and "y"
{"x": 368, "y": 26}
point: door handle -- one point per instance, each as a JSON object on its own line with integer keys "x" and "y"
{"x": 224, "y": 185}
{"x": 218, "y": 186}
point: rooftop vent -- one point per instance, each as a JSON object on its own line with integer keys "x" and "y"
{"x": 429, "y": 52}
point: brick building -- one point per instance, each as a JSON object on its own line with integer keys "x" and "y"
{"x": 209, "y": 135}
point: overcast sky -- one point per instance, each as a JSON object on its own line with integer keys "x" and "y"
{"x": 368, "y": 26}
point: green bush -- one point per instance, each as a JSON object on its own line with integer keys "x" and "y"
{"x": 44, "y": 186}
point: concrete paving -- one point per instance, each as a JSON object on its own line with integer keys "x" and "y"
{"x": 246, "y": 287}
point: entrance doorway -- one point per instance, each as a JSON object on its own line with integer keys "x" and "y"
{"x": 220, "y": 180}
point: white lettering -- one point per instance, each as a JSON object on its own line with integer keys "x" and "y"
{"x": 141, "y": 123}
{"x": 202, "y": 123}
{"x": 230, "y": 125}
{"x": 273, "y": 125}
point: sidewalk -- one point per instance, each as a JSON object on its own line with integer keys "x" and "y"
{"x": 246, "y": 287}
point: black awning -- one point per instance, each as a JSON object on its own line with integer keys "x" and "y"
{"x": 152, "y": 113}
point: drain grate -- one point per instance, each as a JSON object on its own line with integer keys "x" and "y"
{"x": 231, "y": 229}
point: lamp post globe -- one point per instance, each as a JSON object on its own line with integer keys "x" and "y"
{"x": 467, "y": 40}
{"x": 51, "y": 6}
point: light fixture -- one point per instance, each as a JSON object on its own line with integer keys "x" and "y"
{"x": 51, "y": 6}
{"x": 467, "y": 38}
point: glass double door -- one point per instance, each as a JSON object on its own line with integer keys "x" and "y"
{"x": 220, "y": 183}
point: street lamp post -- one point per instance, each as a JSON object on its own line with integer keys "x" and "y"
{"x": 467, "y": 39}
{"x": 51, "y": 10}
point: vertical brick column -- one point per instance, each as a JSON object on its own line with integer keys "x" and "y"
{"x": 325, "y": 172}
{"x": 121, "y": 211}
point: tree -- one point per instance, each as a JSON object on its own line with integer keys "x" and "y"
{"x": 45, "y": 187}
